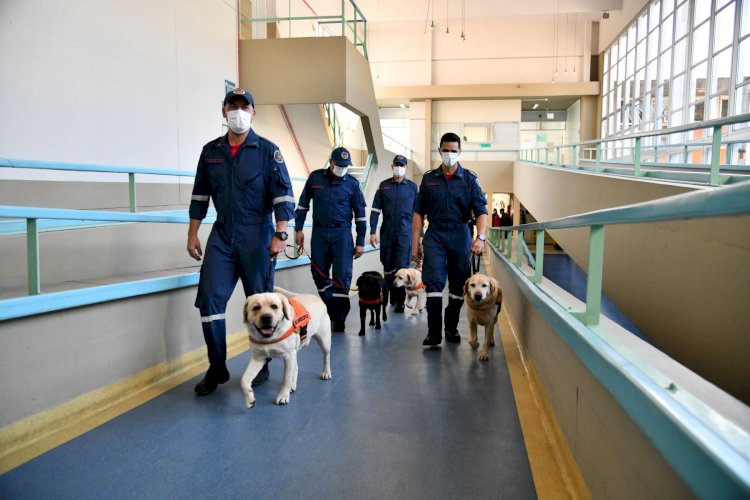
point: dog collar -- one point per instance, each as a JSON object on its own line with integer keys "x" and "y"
{"x": 371, "y": 302}
{"x": 415, "y": 288}
{"x": 299, "y": 325}
{"x": 498, "y": 301}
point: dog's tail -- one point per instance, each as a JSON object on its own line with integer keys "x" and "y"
{"x": 287, "y": 293}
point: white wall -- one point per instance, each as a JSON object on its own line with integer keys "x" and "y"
{"x": 618, "y": 20}
{"x": 135, "y": 83}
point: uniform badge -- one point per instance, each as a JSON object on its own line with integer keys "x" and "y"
{"x": 278, "y": 156}
{"x": 344, "y": 155}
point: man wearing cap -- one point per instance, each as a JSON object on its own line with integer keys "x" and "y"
{"x": 335, "y": 196}
{"x": 247, "y": 179}
{"x": 395, "y": 199}
{"x": 448, "y": 197}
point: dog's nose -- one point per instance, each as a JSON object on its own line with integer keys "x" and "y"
{"x": 266, "y": 319}
{"x": 477, "y": 297}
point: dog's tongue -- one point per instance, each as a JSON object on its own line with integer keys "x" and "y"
{"x": 267, "y": 332}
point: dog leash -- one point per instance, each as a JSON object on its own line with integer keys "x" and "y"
{"x": 474, "y": 262}
{"x": 317, "y": 269}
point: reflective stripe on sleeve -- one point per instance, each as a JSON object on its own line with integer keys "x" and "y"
{"x": 340, "y": 295}
{"x": 282, "y": 199}
{"x": 435, "y": 294}
{"x": 361, "y": 219}
{"x": 300, "y": 207}
{"x": 213, "y": 317}
{"x": 199, "y": 197}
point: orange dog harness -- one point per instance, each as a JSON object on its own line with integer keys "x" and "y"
{"x": 371, "y": 302}
{"x": 299, "y": 325}
{"x": 416, "y": 288}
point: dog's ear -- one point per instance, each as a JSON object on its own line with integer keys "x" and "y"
{"x": 245, "y": 310}
{"x": 466, "y": 285}
{"x": 286, "y": 306}
{"x": 494, "y": 286}
{"x": 412, "y": 273}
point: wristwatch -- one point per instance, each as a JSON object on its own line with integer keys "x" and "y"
{"x": 481, "y": 237}
{"x": 281, "y": 235}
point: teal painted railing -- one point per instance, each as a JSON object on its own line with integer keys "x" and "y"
{"x": 111, "y": 169}
{"x": 645, "y": 144}
{"x": 350, "y": 26}
{"x": 709, "y": 452}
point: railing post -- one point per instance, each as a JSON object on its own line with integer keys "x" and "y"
{"x": 598, "y": 156}
{"x": 546, "y": 156}
{"x": 343, "y": 17}
{"x": 32, "y": 256}
{"x": 508, "y": 244}
{"x": 519, "y": 249}
{"x": 715, "y": 155}
{"x": 637, "y": 158}
{"x": 558, "y": 154}
{"x": 355, "y": 28}
{"x": 575, "y": 155}
{"x": 594, "y": 282}
{"x": 131, "y": 190}
{"x": 539, "y": 257}
{"x": 685, "y": 154}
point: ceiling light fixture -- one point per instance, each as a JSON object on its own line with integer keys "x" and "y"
{"x": 536, "y": 105}
{"x": 447, "y": 18}
{"x": 463, "y": 20}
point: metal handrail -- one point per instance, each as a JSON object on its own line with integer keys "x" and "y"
{"x": 352, "y": 24}
{"x": 111, "y": 169}
{"x": 721, "y": 445}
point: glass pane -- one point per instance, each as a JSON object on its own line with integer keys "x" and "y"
{"x": 640, "y": 57}
{"x": 702, "y": 11}
{"x": 681, "y": 20}
{"x": 606, "y": 60}
{"x": 719, "y": 106}
{"x": 612, "y": 78}
{"x": 720, "y": 71}
{"x": 742, "y": 100}
{"x": 623, "y": 45}
{"x": 676, "y": 119}
{"x": 651, "y": 76}
{"x": 640, "y": 83}
{"x": 653, "y": 44}
{"x": 666, "y": 33}
{"x": 613, "y": 57}
{"x": 678, "y": 92}
{"x": 630, "y": 63}
{"x": 621, "y": 70}
{"x": 643, "y": 25}
{"x": 605, "y": 82}
{"x": 665, "y": 63}
{"x": 700, "y": 44}
{"x": 631, "y": 36}
{"x": 743, "y": 62}
{"x": 745, "y": 24}
{"x": 721, "y": 3}
{"x": 663, "y": 100}
{"x": 680, "y": 56}
{"x": 638, "y": 113}
{"x": 653, "y": 15}
{"x": 697, "y": 83}
{"x": 724, "y": 28}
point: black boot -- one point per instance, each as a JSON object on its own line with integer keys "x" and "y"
{"x": 434, "y": 321}
{"x": 262, "y": 375}
{"x": 216, "y": 374}
{"x": 452, "y": 312}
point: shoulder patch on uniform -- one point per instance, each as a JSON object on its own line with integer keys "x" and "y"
{"x": 471, "y": 172}
{"x": 278, "y": 156}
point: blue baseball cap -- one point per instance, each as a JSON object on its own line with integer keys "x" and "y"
{"x": 341, "y": 157}
{"x": 241, "y": 93}
{"x": 400, "y": 160}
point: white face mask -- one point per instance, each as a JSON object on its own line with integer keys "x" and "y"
{"x": 239, "y": 120}
{"x": 339, "y": 171}
{"x": 399, "y": 171}
{"x": 449, "y": 159}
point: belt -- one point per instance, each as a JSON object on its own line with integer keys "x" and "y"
{"x": 334, "y": 225}
{"x": 253, "y": 219}
{"x": 447, "y": 225}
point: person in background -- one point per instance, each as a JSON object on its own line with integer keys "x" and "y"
{"x": 449, "y": 196}
{"x": 495, "y": 218}
{"x": 395, "y": 199}
{"x": 336, "y": 195}
{"x": 247, "y": 179}
{"x": 505, "y": 219}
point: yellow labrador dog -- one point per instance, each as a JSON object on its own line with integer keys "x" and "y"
{"x": 280, "y": 324}
{"x": 411, "y": 280}
{"x": 483, "y": 301}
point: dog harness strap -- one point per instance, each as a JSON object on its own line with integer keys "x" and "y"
{"x": 299, "y": 324}
{"x": 418, "y": 287}
{"x": 372, "y": 302}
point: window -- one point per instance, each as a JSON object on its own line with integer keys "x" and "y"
{"x": 477, "y": 132}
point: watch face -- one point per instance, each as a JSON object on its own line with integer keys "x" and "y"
{"x": 282, "y": 236}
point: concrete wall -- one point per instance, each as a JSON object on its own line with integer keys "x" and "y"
{"x": 659, "y": 274}
{"x": 615, "y": 458}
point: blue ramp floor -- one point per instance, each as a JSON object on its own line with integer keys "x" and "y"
{"x": 396, "y": 421}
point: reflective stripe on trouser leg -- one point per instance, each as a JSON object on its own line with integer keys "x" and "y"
{"x": 215, "y": 335}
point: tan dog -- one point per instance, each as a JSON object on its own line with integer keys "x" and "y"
{"x": 411, "y": 279}
{"x": 271, "y": 321}
{"x": 483, "y": 301}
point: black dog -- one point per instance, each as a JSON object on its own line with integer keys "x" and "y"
{"x": 373, "y": 296}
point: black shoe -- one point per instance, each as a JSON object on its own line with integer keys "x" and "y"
{"x": 399, "y": 309}
{"x": 452, "y": 337}
{"x": 431, "y": 340}
{"x": 261, "y": 377}
{"x": 214, "y": 376}
{"x": 338, "y": 326}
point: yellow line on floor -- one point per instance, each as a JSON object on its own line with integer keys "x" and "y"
{"x": 28, "y": 438}
{"x": 555, "y": 473}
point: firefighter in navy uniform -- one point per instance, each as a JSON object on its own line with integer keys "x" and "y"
{"x": 247, "y": 179}
{"x": 335, "y": 196}
{"x": 448, "y": 197}
{"x": 395, "y": 199}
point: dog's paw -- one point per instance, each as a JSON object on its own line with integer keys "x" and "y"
{"x": 283, "y": 398}
{"x": 484, "y": 356}
{"x": 361, "y": 333}
{"x": 377, "y": 327}
{"x": 250, "y": 403}
{"x": 474, "y": 344}
{"x": 325, "y": 375}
